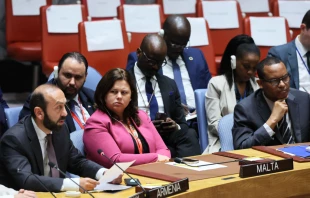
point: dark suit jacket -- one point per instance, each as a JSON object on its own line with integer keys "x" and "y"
{"x": 3, "y": 105}
{"x": 86, "y": 96}
{"x": 171, "y": 99}
{"x": 196, "y": 65}
{"x": 287, "y": 54}
{"x": 251, "y": 114}
{"x": 20, "y": 149}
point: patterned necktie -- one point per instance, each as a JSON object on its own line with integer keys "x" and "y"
{"x": 152, "y": 101}
{"x": 51, "y": 155}
{"x": 285, "y": 131}
{"x": 178, "y": 80}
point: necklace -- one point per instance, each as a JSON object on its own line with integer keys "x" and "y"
{"x": 147, "y": 106}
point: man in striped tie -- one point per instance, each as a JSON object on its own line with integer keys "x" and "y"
{"x": 275, "y": 114}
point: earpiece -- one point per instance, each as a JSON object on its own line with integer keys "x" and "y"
{"x": 161, "y": 32}
{"x": 233, "y": 63}
{"x": 55, "y": 72}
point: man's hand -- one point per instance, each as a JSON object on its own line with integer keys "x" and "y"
{"x": 157, "y": 124}
{"x": 279, "y": 110}
{"x": 25, "y": 194}
{"x": 88, "y": 184}
{"x": 162, "y": 158}
{"x": 118, "y": 180}
{"x": 168, "y": 126}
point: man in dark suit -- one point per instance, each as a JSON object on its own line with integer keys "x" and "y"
{"x": 3, "y": 105}
{"x": 187, "y": 66}
{"x": 158, "y": 93}
{"x": 43, "y": 137}
{"x": 296, "y": 56}
{"x": 72, "y": 72}
{"x": 274, "y": 114}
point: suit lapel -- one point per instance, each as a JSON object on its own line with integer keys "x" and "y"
{"x": 57, "y": 139}
{"x": 265, "y": 112}
{"x": 85, "y": 103}
{"x": 293, "y": 109}
{"x": 292, "y": 66}
{"x": 34, "y": 143}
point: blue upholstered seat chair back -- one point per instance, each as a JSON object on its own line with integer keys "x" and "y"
{"x": 92, "y": 79}
{"x": 201, "y": 118}
{"x": 224, "y": 129}
{"x": 77, "y": 140}
{"x": 11, "y": 115}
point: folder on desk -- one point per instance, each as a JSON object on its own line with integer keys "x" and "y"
{"x": 299, "y": 151}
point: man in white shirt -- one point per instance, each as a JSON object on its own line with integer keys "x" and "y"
{"x": 11, "y": 193}
{"x": 27, "y": 148}
{"x": 296, "y": 56}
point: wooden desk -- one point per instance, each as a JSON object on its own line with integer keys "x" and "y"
{"x": 283, "y": 184}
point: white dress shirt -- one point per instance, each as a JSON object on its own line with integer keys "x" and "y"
{"x": 143, "y": 102}
{"x": 266, "y": 126}
{"x": 7, "y": 192}
{"x": 304, "y": 76}
{"x": 67, "y": 183}
{"x": 188, "y": 89}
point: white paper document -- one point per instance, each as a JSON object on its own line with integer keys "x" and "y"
{"x": 111, "y": 187}
{"x": 142, "y": 18}
{"x": 27, "y": 7}
{"x": 253, "y": 6}
{"x": 63, "y": 18}
{"x": 197, "y": 168}
{"x": 268, "y": 31}
{"x": 102, "y": 8}
{"x": 179, "y": 6}
{"x": 293, "y": 11}
{"x": 111, "y": 174}
{"x": 199, "y": 35}
{"x": 104, "y": 35}
{"x": 221, "y": 14}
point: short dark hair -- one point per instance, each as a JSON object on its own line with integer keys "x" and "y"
{"x": 306, "y": 19}
{"x": 104, "y": 86}
{"x": 75, "y": 55}
{"x": 270, "y": 60}
{"x": 231, "y": 49}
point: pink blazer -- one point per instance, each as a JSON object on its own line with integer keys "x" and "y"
{"x": 117, "y": 143}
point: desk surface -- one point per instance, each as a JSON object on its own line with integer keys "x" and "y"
{"x": 283, "y": 184}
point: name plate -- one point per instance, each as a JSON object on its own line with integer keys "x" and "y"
{"x": 251, "y": 170}
{"x": 164, "y": 191}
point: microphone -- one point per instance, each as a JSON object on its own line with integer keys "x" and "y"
{"x": 52, "y": 165}
{"x": 181, "y": 161}
{"x": 100, "y": 152}
{"x": 37, "y": 178}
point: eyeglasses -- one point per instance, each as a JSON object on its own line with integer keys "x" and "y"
{"x": 275, "y": 82}
{"x": 173, "y": 45}
{"x": 152, "y": 62}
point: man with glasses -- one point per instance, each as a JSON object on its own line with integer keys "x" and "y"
{"x": 158, "y": 95}
{"x": 186, "y": 66}
{"x": 275, "y": 114}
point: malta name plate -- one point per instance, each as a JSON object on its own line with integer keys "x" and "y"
{"x": 164, "y": 191}
{"x": 274, "y": 166}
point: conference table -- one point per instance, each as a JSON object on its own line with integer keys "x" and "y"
{"x": 294, "y": 183}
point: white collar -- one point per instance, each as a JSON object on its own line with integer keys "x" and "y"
{"x": 139, "y": 75}
{"x": 302, "y": 50}
{"x": 41, "y": 135}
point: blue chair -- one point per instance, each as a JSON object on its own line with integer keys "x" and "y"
{"x": 224, "y": 129}
{"x": 92, "y": 79}
{"x": 201, "y": 118}
{"x": 11, "y": 115}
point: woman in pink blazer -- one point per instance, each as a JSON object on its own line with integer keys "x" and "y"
{"x": 123, "y": 132}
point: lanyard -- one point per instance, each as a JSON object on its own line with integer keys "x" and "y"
{"x": 306, "y": 66}
{"x": 75, "y": 117}
{"x": 134, "y": 134}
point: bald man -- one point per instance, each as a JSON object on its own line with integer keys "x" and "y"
{"x": 43, "y": 137}
{"x": 159, "y": 94}
{"x": 185, "y": 65}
